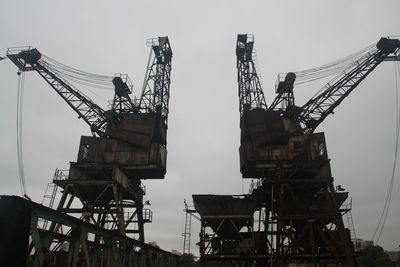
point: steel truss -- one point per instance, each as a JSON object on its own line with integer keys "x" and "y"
{"x": 28, "y": 59}
{"x": 81, "y": 244}
{"x": 156, "y": 87}
{"x": 293, "y": 228}
{"x": 111, "y": 202}
{"x": 319, "y": 107}
{"x": 306, "y": 226}
{"x": 251, "y": 95}
{"x": 296, "y": 207}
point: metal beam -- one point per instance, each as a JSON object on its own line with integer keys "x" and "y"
{"x": 110, "y": 248}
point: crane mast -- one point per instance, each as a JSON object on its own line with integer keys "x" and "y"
{"x": 155, "y": 93}
{"x": 251, "y": 95}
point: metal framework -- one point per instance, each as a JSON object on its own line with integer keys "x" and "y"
{"x": 298, "y": 209}
{"x": 104, "y": 186}
{"x": 78, "y": 243}
{"x": 29, "y": 59}
{"x": 155, "y": 92}
{"x": 304, "y": 221}
{"x": 189, "y": 213}
{"x": 122, "y": 102}
{"x": 251, "y": 95}
{"x": 292, "y": 215}
{"x": 112, "y": 203}
{"x": 285, "y": 97}
{"x": 227, "y": 228}
{"x": 319, "y": 107}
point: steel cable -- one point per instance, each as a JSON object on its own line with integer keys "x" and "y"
{"x": 71, "y": 69}
{"x": 71, "y": 80}
{"x": 385, "y": 210}
{"x": 332, "y": 68}
{"x": 397, "y": 74}
{"x": 77, "y": 76}
{"x": 20, "y": 96}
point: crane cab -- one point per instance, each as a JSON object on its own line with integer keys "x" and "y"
{"x": 269, "y": 143}
{"x": 141, "y": 155}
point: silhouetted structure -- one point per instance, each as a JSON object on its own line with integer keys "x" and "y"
{"x": 128, "y": 144}
{"x": 298, "y": 210}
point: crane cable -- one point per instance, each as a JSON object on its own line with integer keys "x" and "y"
{"x": 72, "y": 75}
{"x": 78, "y": 76}
{"x": 385, "y": 210}
{"x": 20, "y": 96}
{"x": 332, "y": 68}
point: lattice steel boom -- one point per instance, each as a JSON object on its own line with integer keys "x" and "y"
{"x": 29, "y": 59}
{"x": 319, "y": 107}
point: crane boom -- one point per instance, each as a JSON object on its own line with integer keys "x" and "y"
{"x": 29, "y": 59}
{"x": 251, "y": 95}
{"x": 320, "y": 106}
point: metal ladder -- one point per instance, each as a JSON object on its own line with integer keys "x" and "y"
{"x": 188, "y": 230}
{"x": 49, "y": 195}
{"x": 48, "y": 199}
{"x": 352, "y": 229}
{"x": 190, "y": 212}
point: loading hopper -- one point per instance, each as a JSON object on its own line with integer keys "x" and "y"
{"x": 225, "y": 214}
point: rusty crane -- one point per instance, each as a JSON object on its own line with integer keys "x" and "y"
{"x": 128, "y": 144}
{"x": 299, "y": 209}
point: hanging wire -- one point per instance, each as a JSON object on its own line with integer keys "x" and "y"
{"x": 74, "y": 76}
{"x": 332, "y": 68}
{"x": 20, "y": 96}
{"x": 81, "y": 83}
{"x": 92, "y": 81}
{"x": 335, "y": 66}
{"x": 385, "y": 210}
{"x": 397, "y": 74}
{"x": 74, "y": 70}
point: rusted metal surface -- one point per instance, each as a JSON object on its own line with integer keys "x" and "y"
{"x": 225, "y": 215}
{"x": 290, "y": 226}
{"x": 75, "y": 243}
{"x": 139, "y": 129}
{"x": 230, "y": 205}
{"x": 226, "y": 226}
{"x": 297, "y": 213}
{"x": 267, "y": 140}
{"x": 142, "y": 155}
{"x": 104, "y": 186}
{"x": 107, "y": 198}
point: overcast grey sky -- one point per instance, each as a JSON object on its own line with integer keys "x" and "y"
{"x": 107, "y": 37}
